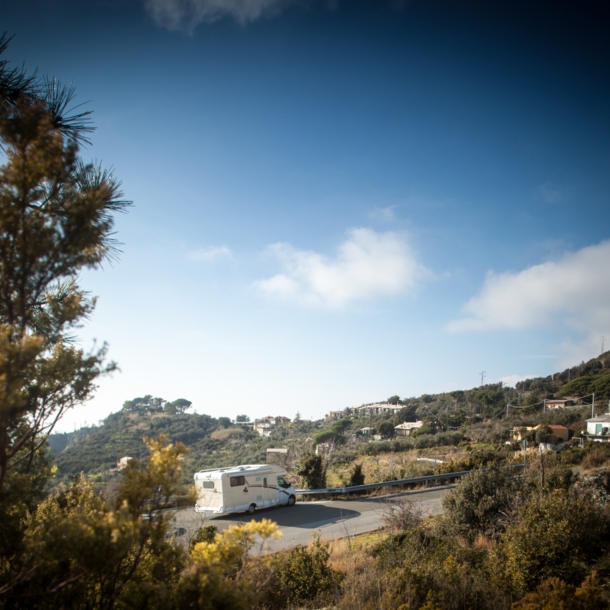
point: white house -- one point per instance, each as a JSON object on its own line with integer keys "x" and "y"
{"x": 263, "y": 428}
{"x": 599, "y": 426}
{"x": 555, "y": 404}
{"x": 122, "y": 463}
{"x": 406, "y": 428}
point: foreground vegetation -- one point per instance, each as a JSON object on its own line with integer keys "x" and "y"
{"x": 504, "y": 541}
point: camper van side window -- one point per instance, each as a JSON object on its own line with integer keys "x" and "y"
{"x": 208, "y": 484}
{"x": 238, "y": 481}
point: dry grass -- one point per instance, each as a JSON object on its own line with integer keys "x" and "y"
{"x": 350, "y": 553}
{"x": 595, "y": 459}
{"x": 223, "y": 435}
{"x": 483, "y": 542}
{"x": 137, "y": 422}
{"x": 392, "y": 466}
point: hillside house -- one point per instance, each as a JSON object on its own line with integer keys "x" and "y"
{"x": 555, "y": 404}
{"x": 263, "y": 428}
{"x": 518, "y": 434}
{"x": 556, "y": 430}
{"x": 406, "y": 428}
{"x": 122, "y": 463}
{"x": 377, "y": 408}
{"x": 266, "y": 425}
{"x": 598, "y": 427}
{"x": 278, "y": 450}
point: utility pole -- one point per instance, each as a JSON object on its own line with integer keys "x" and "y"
{"x": 602, "y": 338}
{"x": 593, "y": 405}
{"x": 483, "y": 373}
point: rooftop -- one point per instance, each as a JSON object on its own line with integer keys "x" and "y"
{"x": 409, "y": 425}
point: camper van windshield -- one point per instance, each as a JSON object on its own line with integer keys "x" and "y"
{"x": 282, "y": 482}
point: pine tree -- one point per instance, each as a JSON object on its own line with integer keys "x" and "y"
{"x": 56, "y": 218}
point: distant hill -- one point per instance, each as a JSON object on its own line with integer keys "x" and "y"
{"x": 121, "y": 434}
{"x": 96, "y": 450}
{"x": 577, "y": 381}
{"x": 61, "y": 441}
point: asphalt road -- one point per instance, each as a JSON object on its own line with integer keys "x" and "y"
{"x": 331, "y": 519}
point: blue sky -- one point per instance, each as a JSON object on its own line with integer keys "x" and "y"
{"x": 337, "y": 202}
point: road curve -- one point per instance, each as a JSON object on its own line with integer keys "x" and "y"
{"x": 331, "y": 519}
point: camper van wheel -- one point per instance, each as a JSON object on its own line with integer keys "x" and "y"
{"x": 251, "y": 509}
{"x": 291, "y": 500}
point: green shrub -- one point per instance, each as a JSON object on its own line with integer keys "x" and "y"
{"x": 207, "y": 533}
{"x": 481, "y": 503}
{"x": 304, "y": 573}
{"x": 311, "y": 469}
{"x": 556, "y": 535}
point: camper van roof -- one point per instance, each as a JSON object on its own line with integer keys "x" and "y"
{"x": 239, "y": 469}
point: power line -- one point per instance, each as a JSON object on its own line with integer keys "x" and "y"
{"x": 542, "y": 402}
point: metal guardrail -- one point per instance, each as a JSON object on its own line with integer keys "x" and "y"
{"x": 413, "y": 481}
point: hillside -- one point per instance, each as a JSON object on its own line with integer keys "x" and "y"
{"x": 581, "y": 380}
{"x": 211, "y": 442}
{"x": 478, "y": 414}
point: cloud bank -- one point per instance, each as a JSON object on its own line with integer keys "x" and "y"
{"x": 368, "y": 265}
{"x": 187, "y": 14}
{"x": 210, "y": 254}
{"x": 573, "y": 291}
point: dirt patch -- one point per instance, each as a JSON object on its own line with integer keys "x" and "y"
{"x": 223, "y": 435}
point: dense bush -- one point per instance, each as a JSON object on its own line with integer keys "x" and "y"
{"x": 304, "y": 573}
{"x": 311, "y": 470}
{"x": 481, "y": 504}
{"x": 554, "y": 593}
{"x": 554, "y": 535}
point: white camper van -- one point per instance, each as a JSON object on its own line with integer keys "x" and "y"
{"x": 242, "y": 489}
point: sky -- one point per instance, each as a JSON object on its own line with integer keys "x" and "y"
{"x": 336, "y": 202}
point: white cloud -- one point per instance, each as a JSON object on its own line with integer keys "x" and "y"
{"x": 512, "y": 380}
{"x": 368, "y": 265}
{"x": 210, "y": 254}
{"x": 573, "y": 291}
{"x": 572, "y": 352}
{"x": 187, "y": 14}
